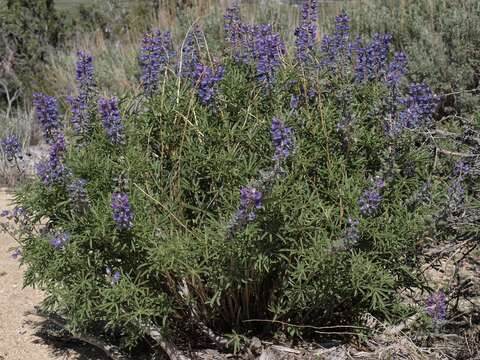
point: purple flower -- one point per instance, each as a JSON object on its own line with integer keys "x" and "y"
{"x": 11, "y": 147}
{"x": 80, "y": 105}
{"x": 206, "y": 80}
{"x": 112, "y": 122}
{"x": 306, "y": 32}
{"x": 78, "y": 194}
{"x": 282, "y": 139}
{"x": 436, "y": 306}
{"x": 53, "y": 171}
{"x": 16, "y": 253}
{"x": 60, "y": 241}
{"x": 46, "y": 109}
{"x": 352, "y": 234}
{"x": 371, "y": 198}
{"x": 122, "y": 211}
{"x": 461, "y": 168}
{"x": 116, "y": 277}
{"x": 254, "y": 43}
{"x": 294, "y": 100}
{"x": 250, "y": 200}
{"x": 84, "y": 69}
{"x": 334, "y": 47}
{"x": 80, "y": 119}
{"x": 371, "y": 60}
{"x": 190, "y": 52}
{"x": 419, "y": 106}
{"x": 5, "y": 213}
{"x": 267, "y": 48}
{"x": 155, "y": 54}
{"x": 396, "y": 70}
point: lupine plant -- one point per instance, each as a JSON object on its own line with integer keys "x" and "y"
{"x": 259, "y": 210}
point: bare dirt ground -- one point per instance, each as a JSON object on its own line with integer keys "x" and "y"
{"x": 22, "y": 333}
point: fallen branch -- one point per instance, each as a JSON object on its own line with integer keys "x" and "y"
{"x": 395, "y": 330}
{"x": 169, "y": 348}
{"x": 112, "y": 351}
{"x": 454, "y": 153}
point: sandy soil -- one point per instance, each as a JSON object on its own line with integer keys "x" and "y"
{"x": 22, "y": 335}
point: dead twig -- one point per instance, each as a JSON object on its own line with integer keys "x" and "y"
{"x": 112, "y": 351}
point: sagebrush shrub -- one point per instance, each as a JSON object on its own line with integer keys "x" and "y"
{"x": 257, "y": 186}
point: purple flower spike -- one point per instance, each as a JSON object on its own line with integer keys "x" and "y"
{"x": 351, "y": 234}
{"x": 250, "y": 201}
{"x": 371, "y": 61}
{"x": 335, "y": 46}
{"x": 80, "y": 105}
{"x": 436, "y": 306}
{"x": 420, "y": 106}
{"x": 396, "y": 70}
{"x": 155, "y": 54}
{"x": 371, "y": 198}
{"x": 60, "y": 241}
{"x": 111, "y": 119}
{"x": 206, "y": 81}
{"x": 84, "y": 66}
{"x": 78, "y": 195}
{"x": 122, "y": 211}
{"x": 306, "y": 32}
{"x": 46, "y": 109}
{"x": 53, "y": 171}
{"x": 11, "y": 147}
{"x": 282, "y": 139}
{"x": 190, "y": 52}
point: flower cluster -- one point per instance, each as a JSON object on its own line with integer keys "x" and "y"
{"x": 371, "y": 198}
{"x": 155, "y": 54}
{"x": 267, "y": 48}
{"x": 206, "y": 80}
{"x": 84, "y": 67}
{"x": 254, "y": 43}
{"x": 111, "y": 119}
{"x": 122, "y": 211}
{"x": 282, "y": 139}
{"x": 396, "y": 70}
{"x": 60, "y": 240}
{"x": 80, "y": 105}
{"x": 352, "y": 234}
{"x": 46, "y": 109}
{"x": 250, "y": 201}
{"x": 190, "y": 52}
{"x": 78, "y": 195}
{"x": 53, "y": 170}
{"x": 115, "y": 278}
{"x": 436, "y": 306}
{"x": 372, "y": 59}
{"x": 306, "y": 32}
{"x": 11, "y": 147}
{"x": 334, "y": 47}
{"x": 238, "y": 34}
{"x": 419, "y": 106}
